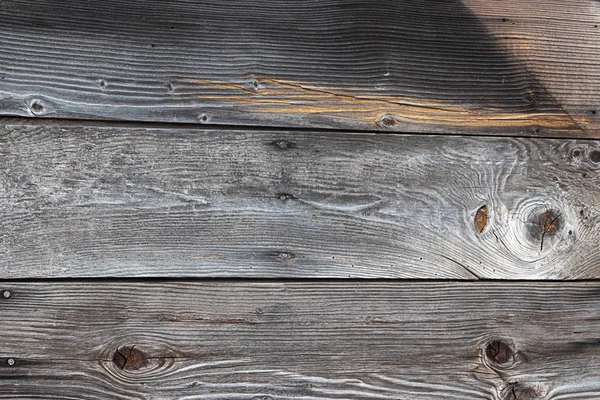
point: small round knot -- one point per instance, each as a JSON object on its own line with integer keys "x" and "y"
{"x": 6, "y": 294}
{"x": 499, "y": 353}
{"x": 36, "y": 107}
{"x": 595, "y": 156}
{"x": 129, "y": 358}
{"x": 10, "y": 362}
{"x": 388, "y": 121}
{"x": 285, "y": 197}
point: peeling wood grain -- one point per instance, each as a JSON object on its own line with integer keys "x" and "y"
{"x": 407, "y": 341}
{"x": 449, "y": 67}
{"x": 90, "y": 200}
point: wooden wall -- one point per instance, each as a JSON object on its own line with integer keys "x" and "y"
{"x": 308, "y": 200}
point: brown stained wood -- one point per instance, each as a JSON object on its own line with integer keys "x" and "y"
{"x": 261, "y": 340}
{"x": 415, "y": 66}
{"x": 97, "y": 200}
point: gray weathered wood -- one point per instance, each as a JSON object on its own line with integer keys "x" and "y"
{"x": 228, "y": 340}
{"x": 95, "y": 200}
{"x": 421, "y": 66}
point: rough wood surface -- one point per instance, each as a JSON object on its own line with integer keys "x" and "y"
{"x": 419, "y": 66}
{"x": 96, "y": 200}
{"x": 228, "y": 340}
{"x": 556, "y": 41}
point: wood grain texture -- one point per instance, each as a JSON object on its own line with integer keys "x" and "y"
{"x": 417, "y": 66}
{"x": 228, "y": 340}
{"x": 97, "y": 200}
{"x": 559, "y": 43}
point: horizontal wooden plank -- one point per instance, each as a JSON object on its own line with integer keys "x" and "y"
{"x": 418, "y": 66}
{"x": 557, "y": 41}
{"x": 97, "y": 200}
{"x": 260, "y": 340}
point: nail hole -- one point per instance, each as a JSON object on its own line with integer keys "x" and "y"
{"x": 595, "y": 156}
{"x": 594, "y": 112}
{"x": 102, "y": 83}
{"x": 204, "y": 118}
{"x": 537, "y": 131}
{"x": 570, "y": 232}
{"x": 169, "y": 86}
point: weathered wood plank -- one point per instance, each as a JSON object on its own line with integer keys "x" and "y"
{"x": 98, "y": 200}
{"x": 228, "y": 340}
{"x": 559, "y": 43}
{"x": 418, "y": 66}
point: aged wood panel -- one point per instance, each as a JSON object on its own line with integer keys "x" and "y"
{"x": 559, "y": 43}
{"x": 97, "y": 200}
{"x": 260, "y": 340}
{"x": 412, "y": 65}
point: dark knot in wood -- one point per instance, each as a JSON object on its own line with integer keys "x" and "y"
{"x": 129, "y": 358}
{"x": 282, "y": 144}
{"x": 387, "y": 121}
{"x": 595, "y": 156}
{"x": 37, "y": 107}
{"x": 519, "y": 392}
{"x": 499, "y": 353}
{"x": 481, "y": 218}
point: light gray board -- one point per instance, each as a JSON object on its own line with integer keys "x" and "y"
{"x": 261, "y": 340}
{"x": 103, "y": 201}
